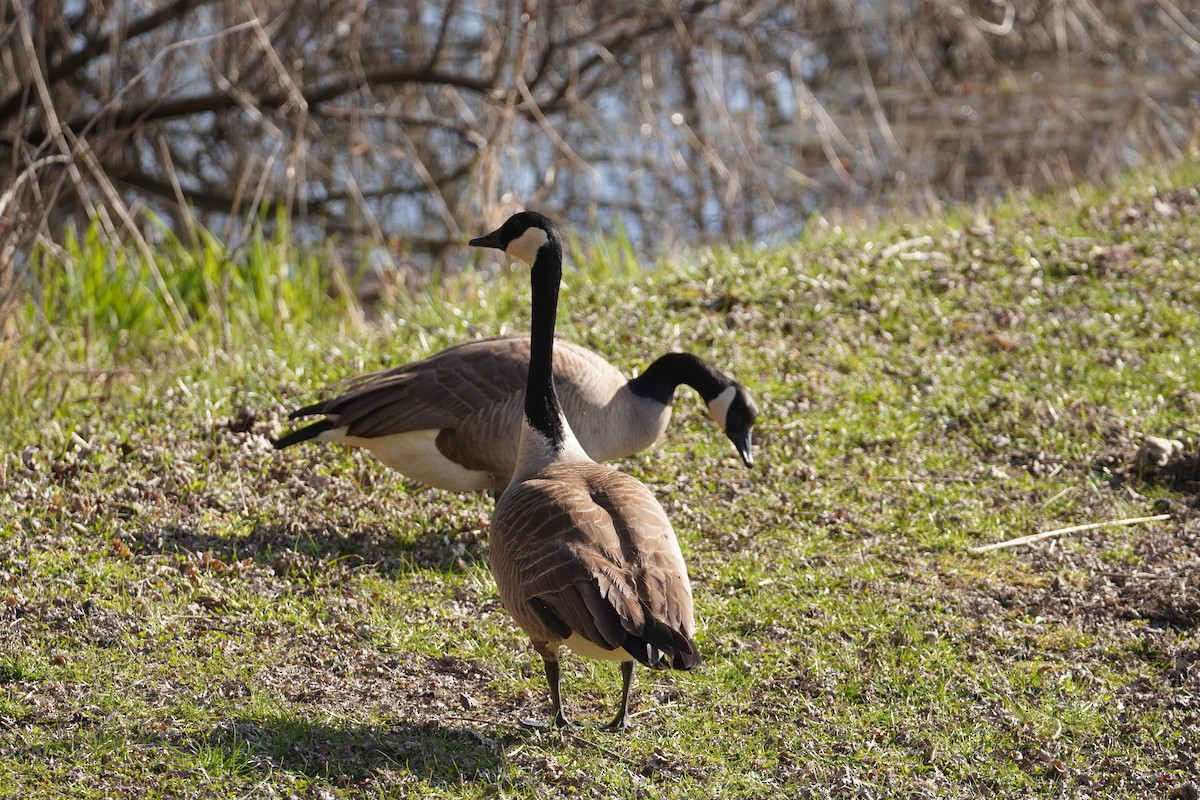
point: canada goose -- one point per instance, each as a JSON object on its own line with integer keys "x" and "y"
{"x": 583, "y": 555}
{"x": 452, "y": 420}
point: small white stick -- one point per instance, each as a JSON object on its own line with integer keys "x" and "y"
{"x": 1037, "y": 537}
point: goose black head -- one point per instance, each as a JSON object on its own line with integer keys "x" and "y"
{"x": 735, "y": 411}
{"x": 522, "y": 236}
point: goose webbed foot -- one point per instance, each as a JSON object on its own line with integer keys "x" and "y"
{"x": 620, "y": 723}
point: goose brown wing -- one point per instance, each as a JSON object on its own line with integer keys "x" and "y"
{"x": 446, "y": 390}
{"x": 474, "y": 386}
{"x": 585, "y": 549}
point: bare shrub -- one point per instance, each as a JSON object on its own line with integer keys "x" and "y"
{"x": 399, "y": 124}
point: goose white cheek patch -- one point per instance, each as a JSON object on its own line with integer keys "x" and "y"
{"x": 718, "y": 409}
{"x": 526, "y": 245}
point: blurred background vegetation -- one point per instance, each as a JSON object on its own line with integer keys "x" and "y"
{"x": 385, "y": 132}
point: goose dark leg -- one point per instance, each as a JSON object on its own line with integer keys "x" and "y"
{"x": 560, "y": 719}
{"x": 619, "y": 721}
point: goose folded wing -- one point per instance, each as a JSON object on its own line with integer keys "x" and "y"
{"x": 388, "y": 406}
{"x": 445, "y": 390}
{"x": 579, "y": 569}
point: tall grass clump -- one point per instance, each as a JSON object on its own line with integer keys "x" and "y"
{"x": 99, "y": 300}
{"x": 102, "y": 305}
{"x": 612, "y": 257}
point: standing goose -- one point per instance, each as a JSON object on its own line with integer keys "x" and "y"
{"x": 583, "y": 555}
{"x": 452, "y": 420}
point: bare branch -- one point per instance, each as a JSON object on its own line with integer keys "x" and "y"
{"x": 724, "y": 119}
{"x": 218, "y": 102}
{"x": 94, "y": 48}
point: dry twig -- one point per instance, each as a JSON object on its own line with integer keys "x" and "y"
{"x": 1037, "y": 537}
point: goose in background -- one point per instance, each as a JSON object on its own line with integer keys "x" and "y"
{"x": 583, "y": 555}
{"x": 452, "y": 420}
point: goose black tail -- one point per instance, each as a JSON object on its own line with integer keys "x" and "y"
{"x": 662, "y": 648}
{"x": 302, "y": 434}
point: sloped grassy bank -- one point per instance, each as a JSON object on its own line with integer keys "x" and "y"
{"x": 185, "y": 612}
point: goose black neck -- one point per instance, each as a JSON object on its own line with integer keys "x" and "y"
{"x": 660, "y": 379}
{"x": 542, "y": 409}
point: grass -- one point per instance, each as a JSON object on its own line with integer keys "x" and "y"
{"x": 185, "y": 612}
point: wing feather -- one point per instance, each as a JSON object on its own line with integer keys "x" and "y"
{"x": 446, "y": 390}
{"x": 593, "y": 548}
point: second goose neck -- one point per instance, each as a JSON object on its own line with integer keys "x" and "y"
{"x": 542, "y": 409}
{"x": 661, "y": 378}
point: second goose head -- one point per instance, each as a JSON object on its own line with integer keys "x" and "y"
{"x": 729, "y": 404}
